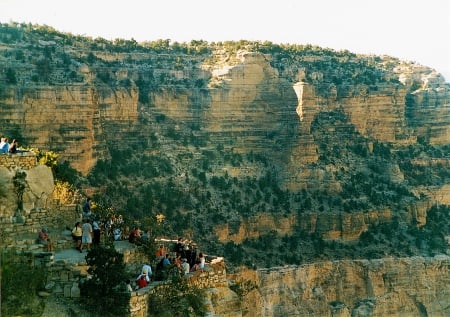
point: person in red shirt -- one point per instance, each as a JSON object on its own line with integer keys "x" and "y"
{"x": 142, "y": 281}
{"x": 161, "y": 252}
{"x": 135, "y": 236}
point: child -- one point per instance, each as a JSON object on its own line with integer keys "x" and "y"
{"x": 128, "y": 285}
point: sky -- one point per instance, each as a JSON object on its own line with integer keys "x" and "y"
{"x": 412, "y": 30}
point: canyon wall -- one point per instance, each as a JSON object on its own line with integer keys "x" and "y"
{"x": 69, "y": 119}
{"x": 377, "y": 288}
{"x": 327, "y": 225}
{"x": 247, "y": 105}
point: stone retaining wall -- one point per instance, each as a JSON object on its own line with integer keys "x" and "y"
{"x": 63, "y": 279}
{"x": 55, "y": 218}
{"x": 214, "y": 275}
{"x": 24, "y": 160}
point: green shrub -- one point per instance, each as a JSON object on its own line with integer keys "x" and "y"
{"x": 20, "y": 281}
{"x": 20, "y": 184}
{"x": 104, "y": 293}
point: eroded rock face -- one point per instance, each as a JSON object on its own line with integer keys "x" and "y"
{"x": 70, "y": 119}
{"x": 37, "y": 194}
{"x": 377, "y": 288}
{"x": 328, "y": 225}
{"x": 247, "y": 104}
{"x": 221, "y": 301}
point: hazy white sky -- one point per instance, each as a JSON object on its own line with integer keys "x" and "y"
{"x": 414, "y": 30}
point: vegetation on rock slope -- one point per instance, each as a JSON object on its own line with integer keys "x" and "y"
{"x": 173, "y": 168}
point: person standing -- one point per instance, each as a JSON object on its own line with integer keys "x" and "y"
{"x": 193, "y": 255}
{"x": 166, "y": 261}
{"x": 96, "y": 228}
{"x": 147, "y": 269}
{"x": 77, "y": 234}
{"x": 87, "y": 208}
{"x": 86, "y": 238}
{"x": 161, "y": 252}
{"x": 185, "y": 266}
{"x": 201, "y": 257}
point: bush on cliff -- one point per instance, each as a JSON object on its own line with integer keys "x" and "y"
{"x": 20, "y": 281}
{"x": 104, "y": 292}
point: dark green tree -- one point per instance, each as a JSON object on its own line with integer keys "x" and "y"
{"x": 104, "y": 293}
{"x": 11, "y": 76}
{"x": 20, "y": 184}
{"x": 20, "y": 281}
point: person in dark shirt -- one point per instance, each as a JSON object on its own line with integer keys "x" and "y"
{"x": 87, "y": 206}
{"x": 13, "y": 146}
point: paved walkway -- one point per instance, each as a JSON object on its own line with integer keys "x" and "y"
{"x": 73, "y": 256}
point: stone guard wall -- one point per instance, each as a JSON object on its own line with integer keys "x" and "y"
{"x": 56, "y": 217}
{"x": 25, "y": 160}
{"x": 214, "y": 275}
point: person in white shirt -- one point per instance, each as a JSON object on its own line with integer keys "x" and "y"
{"x": 202, "y": 260}
{"x": 4, "y": 145}
{"x": 128, "y": 284}
{"x": 86, "y": 238}
{"x": 185, "y": 266}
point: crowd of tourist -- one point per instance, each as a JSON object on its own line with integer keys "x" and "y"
{"x": 179, "y": 259}
{"x": 182, "y": 259}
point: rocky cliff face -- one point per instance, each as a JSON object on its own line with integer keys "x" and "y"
{"x": 329, "y": 225}
{"x": 298, "y": 109}
{"x": 377, "y": 288}
{"x": 69, "y": 119}
{"x": 247, "y": 101}
{"x": 37, "y": 193}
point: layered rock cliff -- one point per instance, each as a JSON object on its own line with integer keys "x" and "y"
{"x": 69, "y": 119}
{"x": 247, "y": 100}
{"x": 384, "y": 287}
{"x": 312, "y": 117}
